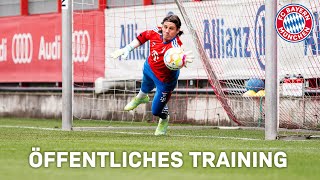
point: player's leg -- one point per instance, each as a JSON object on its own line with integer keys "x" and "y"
{"x": 163, "y": 123}
{"x": 159, "y": 103}
{"x": 160, "y": 109}
{"x": 142, "y": 97}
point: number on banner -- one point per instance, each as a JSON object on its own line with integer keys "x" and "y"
{"x": 64, "y": 4}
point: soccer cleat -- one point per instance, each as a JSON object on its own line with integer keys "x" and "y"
{"x": 162, "y": 127}
{"x": 135, "y": 102}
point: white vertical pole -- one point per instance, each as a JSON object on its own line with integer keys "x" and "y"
{"x": 67, "y": 65}
{"x": 271, "y": 122}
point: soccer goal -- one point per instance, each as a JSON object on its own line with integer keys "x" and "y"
{"x": 225, "y": 86}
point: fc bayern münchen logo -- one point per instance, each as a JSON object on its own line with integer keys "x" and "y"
{"x": 294, "y": 23}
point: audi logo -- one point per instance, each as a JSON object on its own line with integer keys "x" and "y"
{"x": 22, "y": 48}
{"x": 81, "y": 46}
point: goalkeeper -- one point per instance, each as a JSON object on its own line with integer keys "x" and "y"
{"x": 155, "y": 72}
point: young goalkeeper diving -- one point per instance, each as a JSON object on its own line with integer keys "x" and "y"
{"x": 155, "y": 72}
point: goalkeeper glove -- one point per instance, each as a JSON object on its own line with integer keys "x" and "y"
{"x": 189, "y": 57}
{"x": 124, "y": 52}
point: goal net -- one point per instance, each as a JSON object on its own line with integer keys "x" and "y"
{"x": 233, "y": 37}
{"x": 224, "y": 85}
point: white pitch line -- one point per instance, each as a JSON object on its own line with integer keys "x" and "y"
{"x": 218, "y": 137}
{"x": 30, "y": 127}
{"x": 132, "y": 133}
{"x": 182, "y": 135}
{"x": 137, "y": 133}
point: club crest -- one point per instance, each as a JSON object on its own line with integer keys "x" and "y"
{"x": 294, "y": 23}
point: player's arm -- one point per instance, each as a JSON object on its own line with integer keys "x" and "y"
{"x": 124, "y": 52}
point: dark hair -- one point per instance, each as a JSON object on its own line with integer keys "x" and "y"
{"x": 174, "y": 19}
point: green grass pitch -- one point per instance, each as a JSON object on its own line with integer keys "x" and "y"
{"x": 18, "y": 136}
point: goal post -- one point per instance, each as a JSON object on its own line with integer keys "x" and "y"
{"x": 67, "y": 64}
{"x": 243, "y": 74}
{"x": 272, "y": 79}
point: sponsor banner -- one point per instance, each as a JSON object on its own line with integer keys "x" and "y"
{"x": 30, "y": 48}
{"x": 233, "y": 38}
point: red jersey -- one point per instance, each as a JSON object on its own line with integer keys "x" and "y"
{"x": 157, "y": 51}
